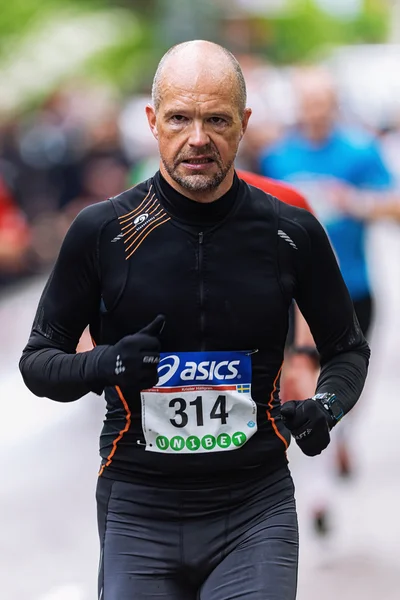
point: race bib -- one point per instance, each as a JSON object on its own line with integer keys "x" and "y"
{"x": 202, "y": 403}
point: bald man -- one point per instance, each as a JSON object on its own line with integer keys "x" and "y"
{"x": 186, "y": 281}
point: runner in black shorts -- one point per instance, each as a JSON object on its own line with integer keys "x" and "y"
{"x": 186, "y": 281}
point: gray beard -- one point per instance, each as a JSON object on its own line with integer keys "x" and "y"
{"x": 198, "y": 183}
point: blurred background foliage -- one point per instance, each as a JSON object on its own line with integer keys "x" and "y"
{"x": 43, "y": 42}
{"x": 308, "y": 29}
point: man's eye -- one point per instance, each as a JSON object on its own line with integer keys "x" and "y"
{"x": 178, "y": 118}
{"x": 218, "y": 121}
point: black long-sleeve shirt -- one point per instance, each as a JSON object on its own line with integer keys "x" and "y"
{"x": 224, "y": 274}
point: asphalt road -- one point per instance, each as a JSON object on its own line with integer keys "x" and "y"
{"x": 48, "y": 540}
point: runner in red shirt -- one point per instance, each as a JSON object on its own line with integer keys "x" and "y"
{"x": 301, "y": 370}
{"x": 14, "y": 236}
{"x": 280, "y": 190}
{"x": 300, "y": 374}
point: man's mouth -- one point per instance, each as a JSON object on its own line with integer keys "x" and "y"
{"x": 198, "y": 161}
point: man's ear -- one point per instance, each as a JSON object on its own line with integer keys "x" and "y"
{"x": 245, "y": 120}
{"x": 152, "y": 120}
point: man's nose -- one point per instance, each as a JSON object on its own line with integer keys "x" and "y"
{"x": 198, "y": 135}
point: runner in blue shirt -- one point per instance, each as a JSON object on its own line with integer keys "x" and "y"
{"x": 341, "y": 171}
{"x": 332, "y": 165}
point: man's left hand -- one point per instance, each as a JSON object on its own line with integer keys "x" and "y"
{"x": 308, "y": 422}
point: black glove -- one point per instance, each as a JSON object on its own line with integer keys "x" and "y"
{"x": 133, "y": 360}
{"x": 309, "y": 424}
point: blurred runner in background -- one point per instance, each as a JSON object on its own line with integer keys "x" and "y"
{"x": 341, "y": 171}
{"x": 14, "y": 238}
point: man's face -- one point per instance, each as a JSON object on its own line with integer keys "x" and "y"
{"x": 317, "y": 108}
{"x": 198, "y": 127}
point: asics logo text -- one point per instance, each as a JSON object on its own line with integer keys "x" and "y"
{"x": 192, "y": 371}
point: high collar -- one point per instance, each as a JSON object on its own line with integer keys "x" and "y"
{"x": 191, "y": 212}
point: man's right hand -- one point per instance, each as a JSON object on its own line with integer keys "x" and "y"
{"x": 133, "y": 361}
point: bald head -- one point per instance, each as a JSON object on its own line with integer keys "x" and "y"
{"x": 314, "y": 82}
{"x": 198, "y": 118}
{"x": 317, "y": 101}
{"x": 197, "y": 62}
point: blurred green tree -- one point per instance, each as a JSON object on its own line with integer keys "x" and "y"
{"x": 141, "y": 30}
{"x": 305, "y": 30}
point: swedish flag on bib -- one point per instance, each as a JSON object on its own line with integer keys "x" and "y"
{"x": 244, "y": 388}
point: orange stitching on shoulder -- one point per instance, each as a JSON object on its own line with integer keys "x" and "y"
{"x": 132, "y": 226}
{"x": 149, "y": 231}
{"x": 121, "y": 433}
{"x": 150, "y": 205}
{"x": 269, "y": 416}
{"x": 137, "y": 234}
{"x": 138, "y": 208}
{"x": 132, "y": 231}
{"x": 144, "y": 206}
{"x": 156, "y": 206}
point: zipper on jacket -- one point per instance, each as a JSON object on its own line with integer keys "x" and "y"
{"x": 201, "y": 288}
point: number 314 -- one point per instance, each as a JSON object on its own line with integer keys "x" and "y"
{"x": 181, "y": 418}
